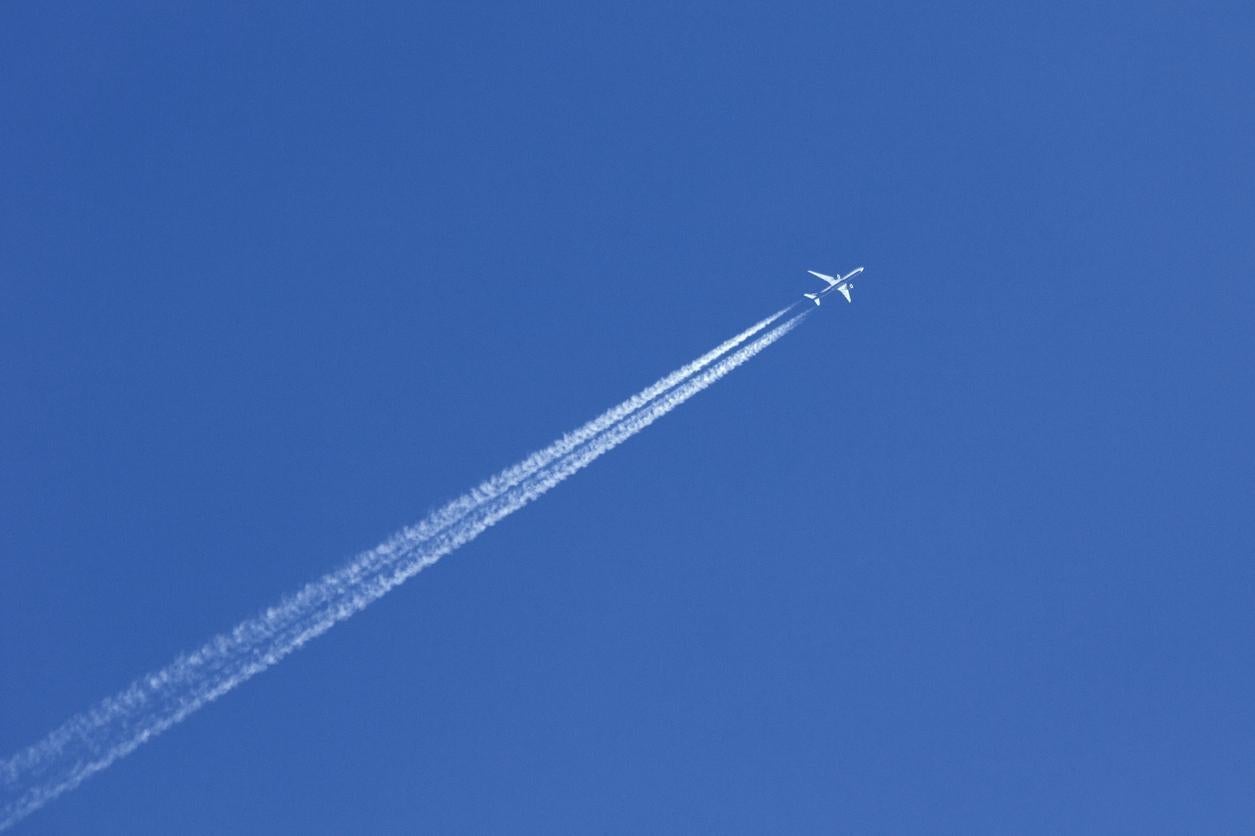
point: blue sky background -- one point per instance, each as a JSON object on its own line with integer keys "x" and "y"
{"x": 973, "y": 554}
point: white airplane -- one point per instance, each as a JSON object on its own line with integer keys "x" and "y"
{"x": 841, "y": 283}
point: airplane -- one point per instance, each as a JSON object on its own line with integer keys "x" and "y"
{"x": 841, "y": 283}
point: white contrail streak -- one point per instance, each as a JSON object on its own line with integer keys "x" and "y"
{"x": 91, "y": 741}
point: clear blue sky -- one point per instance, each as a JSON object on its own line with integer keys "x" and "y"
{"x": 972, "y": 554}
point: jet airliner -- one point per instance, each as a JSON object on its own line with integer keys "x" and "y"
{"x": 841, "y": 284}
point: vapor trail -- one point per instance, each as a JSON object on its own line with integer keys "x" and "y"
{"x": 511, "y": 476}
{"x": 91, "y": 741}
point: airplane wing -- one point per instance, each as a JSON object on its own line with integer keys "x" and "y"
{"x": 829, "y": 279}
{"x": 845, "y": 291}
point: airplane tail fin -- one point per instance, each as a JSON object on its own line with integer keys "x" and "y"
{"x": 813, "y": 297}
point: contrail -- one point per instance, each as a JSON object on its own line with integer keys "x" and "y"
{"x": 495, "y": 485}
{"x": 91, "y": 741}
